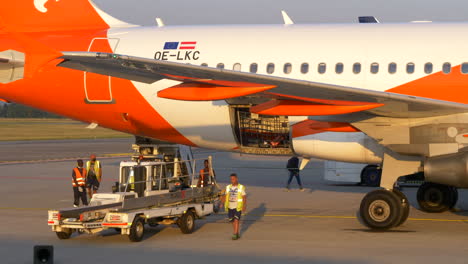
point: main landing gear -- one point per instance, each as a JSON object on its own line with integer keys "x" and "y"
{"x": 383, "y": 209}
{"x": 436, "y": 198}
{"x": 371, "y": 175}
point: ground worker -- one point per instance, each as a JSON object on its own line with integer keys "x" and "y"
{"x": 235, "y": 202}
{"x": 293, "y": 168}
{"x": 94, "y": 175}
{"x": 79, "y": 184}
{"x": 204, "y": 178}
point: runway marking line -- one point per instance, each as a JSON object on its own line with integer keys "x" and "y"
{"x": 279, "y": 215}
{"x": 354, "y": 217}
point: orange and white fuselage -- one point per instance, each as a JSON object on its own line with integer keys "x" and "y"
{"x": 371, "y": 56}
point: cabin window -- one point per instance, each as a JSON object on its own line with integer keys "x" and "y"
{"x": 322, "y": 68}
{"x": 357, "y": 68}
{"x": 339, "y": 68}
{"x": 253, "y": 68}
{"x": 374, "y": 68}
{"x": 204, "y": 64}
{"x": 447, "y": 68}
{"x": 287, "y": 68}
{"x": 392, "y": 68}
{"x": 410, "y": 68}
{"x": 270, "y": 68}
{"x": 305, "y": 68}
{"x": 464, "y": 68}
{"x": 237, "y": 67}
{"x": 428, "y": 67}
{"x": 220, "y": 66}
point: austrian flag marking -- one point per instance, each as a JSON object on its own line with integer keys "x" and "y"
{"x": 188, "y": 45}
{"x": 184, "y": 45}
{"x": 178, "y": 51}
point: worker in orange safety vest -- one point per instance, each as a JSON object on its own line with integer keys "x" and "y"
{"x": 79, "y": 184}
{"x": 204, "y": 179}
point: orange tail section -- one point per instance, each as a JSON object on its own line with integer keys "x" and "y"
{"x": 52, "y": 15}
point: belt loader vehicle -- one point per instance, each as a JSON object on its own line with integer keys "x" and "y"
{"x": 152, "y": 189}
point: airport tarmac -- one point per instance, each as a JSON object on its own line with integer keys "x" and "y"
{"x": 315, "y": 226}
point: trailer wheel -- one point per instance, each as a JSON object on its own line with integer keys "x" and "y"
{"x": 216, "y": 206}
{"x": 137, "y": 230}
{"x": 64, "y": 234}
{"x": 187, "y": 222}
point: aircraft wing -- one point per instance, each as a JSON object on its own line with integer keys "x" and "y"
{"x": 283, "y": 96}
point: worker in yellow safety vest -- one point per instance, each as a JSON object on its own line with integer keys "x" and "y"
{"x": 79, "y": 184}
{"x": 235, "y": 202}
{"x": 94, "y": 172}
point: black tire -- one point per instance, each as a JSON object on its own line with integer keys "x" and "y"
{"x": 118, "y": 230}
{"x": 454, "y": 197}
{"x": 152, "y": 222}
{"x": 436, "y": 198}
{"x": 381, "y": 210}
{"x": 405, "y": 207}
{"x": 216, "y": 206}
{"x": 137, "y": 231}
{"x": 187, "y": 222}
{"x": 64, "y": 234}
{"x": 371, "y": 175}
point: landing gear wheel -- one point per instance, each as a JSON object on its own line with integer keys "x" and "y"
{"x": 381, "y": 210}
{"x": 187, "y": 222}
{"x": 436, "y": 198}
{"x": 64, "y": 234}
{"x": 454, "y": 197}
{"x": 405, "y": 207}
{"x": 371, "y": 175}
{"x": 137, "y": 230}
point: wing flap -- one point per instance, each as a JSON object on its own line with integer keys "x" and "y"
{"x": 193, "y": 91}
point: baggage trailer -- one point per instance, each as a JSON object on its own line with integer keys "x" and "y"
{"x": 153, "y": 191}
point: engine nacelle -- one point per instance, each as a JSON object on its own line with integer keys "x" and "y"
{"x": 451, "y": 169}
{"x": 355, "y": 147}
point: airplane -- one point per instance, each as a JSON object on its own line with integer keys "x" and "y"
{"x": 392, "y": 95}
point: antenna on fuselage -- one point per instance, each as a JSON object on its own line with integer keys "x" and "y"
{"x": 368, "y": 19}
{"x": 286, "y": 18}
{"x": 160, "y": 22}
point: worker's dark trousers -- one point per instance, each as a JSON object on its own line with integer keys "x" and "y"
{"x": 77, "y": 194}
{"x": 293, "y": 174}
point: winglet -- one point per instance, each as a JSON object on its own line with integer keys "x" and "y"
{"x": 286, "y": 18}
{"x": 160, "y": 22}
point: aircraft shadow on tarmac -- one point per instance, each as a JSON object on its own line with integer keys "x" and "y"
{"x": 339, "y": 187}
{"x": 149, "y": 232}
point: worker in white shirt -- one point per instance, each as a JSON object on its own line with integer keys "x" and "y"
{"x": 235, "y": 202}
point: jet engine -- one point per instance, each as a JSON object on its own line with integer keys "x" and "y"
{"x": 451, "y": 169}
{"x": 355, "y": 147}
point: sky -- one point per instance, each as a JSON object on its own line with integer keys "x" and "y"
{"x": 197, "y": 12}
